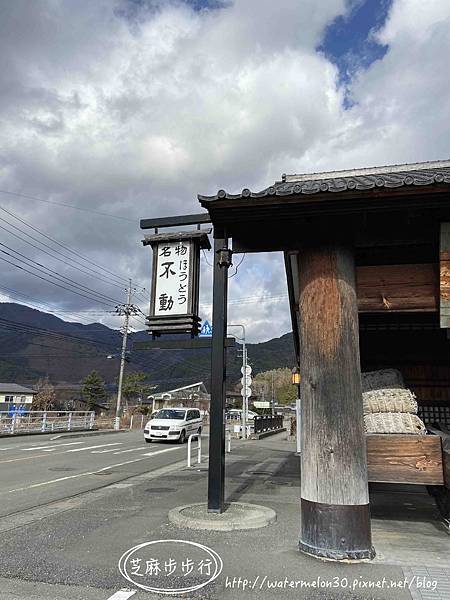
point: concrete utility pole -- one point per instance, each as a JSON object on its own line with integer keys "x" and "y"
{"x": 125, "y": 310}
{"x": 244, "y": 384}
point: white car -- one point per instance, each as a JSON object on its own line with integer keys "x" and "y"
{"x": 237, "y": 413}
{"x": 175, "y": 424}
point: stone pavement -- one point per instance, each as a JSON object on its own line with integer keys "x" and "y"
{"x": 76, "y": 553}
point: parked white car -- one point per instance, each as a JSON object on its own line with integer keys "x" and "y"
{"x": 237, "y": 414}
{"x": 175, "y": 424}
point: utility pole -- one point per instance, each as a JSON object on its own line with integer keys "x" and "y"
{"x": 244, "y": 380}
{"x": 273, "y": 396}
{"x": 125, "y": 310}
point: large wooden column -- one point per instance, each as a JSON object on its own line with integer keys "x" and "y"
{"x": 334, "y": 489}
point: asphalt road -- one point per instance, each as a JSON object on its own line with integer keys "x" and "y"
{"x": 38, "y": 470}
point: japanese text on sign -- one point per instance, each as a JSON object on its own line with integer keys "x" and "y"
{"x": 172, "y": 278}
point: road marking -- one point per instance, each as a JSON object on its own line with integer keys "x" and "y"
{"x": 59, "y": 479}
{"x": 122, "y": 594}
{"x": 130, "y": 450}
{"x": 8, "y": 448}
{"x": 52, "y": 446}
{"x": 98, "y": 446}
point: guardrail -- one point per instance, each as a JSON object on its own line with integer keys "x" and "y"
{"x": 45, "y": 421}
{"x": 268, "y": 423}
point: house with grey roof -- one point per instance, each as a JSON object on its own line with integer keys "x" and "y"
{"x": 14, "y": 394}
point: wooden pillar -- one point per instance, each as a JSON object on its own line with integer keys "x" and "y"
{"x": 216, "y": 470}
{"x": 334, "y": 488}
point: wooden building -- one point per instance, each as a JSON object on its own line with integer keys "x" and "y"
{"x": 367, "y": 256}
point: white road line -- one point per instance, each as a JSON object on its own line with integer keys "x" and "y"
{"x": 162, "y": 451}
{"x": 130, "y": 450}
{"x": 52, "y": 446}
{"x": 122, "y": 595}
{"x": 9, "y": 448}
{"x": 128, "y": 462}
{"x": 98, "y": 446}
{"x": 103, "y": 451}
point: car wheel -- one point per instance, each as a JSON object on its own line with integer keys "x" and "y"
{"x": 182, "y": 438}
{"x": 199, "y": 432}
{"x": 148, "y": 441}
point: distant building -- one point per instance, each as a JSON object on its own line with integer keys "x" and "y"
{"x": 12, "y": 394}
{"x": 195, "y": 394}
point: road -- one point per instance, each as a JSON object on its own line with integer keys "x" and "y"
{"x": 38, "y": 470}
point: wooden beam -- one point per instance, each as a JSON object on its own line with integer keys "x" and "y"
{"x": 334, "y": 491}
{"x": 398, "y": 288}
{"x": 178, "y": 221}
{"x": 413, "y": 459}
{"x": 444, "y": 275}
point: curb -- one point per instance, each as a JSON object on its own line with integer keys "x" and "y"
{"x": 264, "y": 434}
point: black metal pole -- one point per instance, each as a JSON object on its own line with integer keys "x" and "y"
{"x": 216, "y": 471}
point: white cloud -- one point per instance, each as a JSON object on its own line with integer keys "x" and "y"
{"x": 136, "y": 117}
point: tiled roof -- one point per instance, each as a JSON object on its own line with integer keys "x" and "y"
{"x": 391, "y": 176}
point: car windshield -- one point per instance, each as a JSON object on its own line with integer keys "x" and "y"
{"x": 169, "y": 413}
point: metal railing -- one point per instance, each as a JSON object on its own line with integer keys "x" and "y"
{"x": 45, "y": 421}
{"x": 268, "y": 423}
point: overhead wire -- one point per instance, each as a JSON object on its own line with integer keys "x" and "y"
{"x": 52, "y": 273}
{"x": 80, "y": 208}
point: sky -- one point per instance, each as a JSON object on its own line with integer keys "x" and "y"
{"x": 117, "y": 110}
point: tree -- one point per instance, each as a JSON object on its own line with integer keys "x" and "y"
{"x": 135, "y": 386}
{"x": 284, "y": 391}
{"x": 93, "y": 389}
{"x": 45, "y": 398}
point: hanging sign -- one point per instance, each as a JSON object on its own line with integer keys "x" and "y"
{"x": 173, "y": 278}
{"x": 175, "y": 281}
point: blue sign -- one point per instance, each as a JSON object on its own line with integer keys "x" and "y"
{"x": 18, "y": 409}
{"x": 206, "y": 330}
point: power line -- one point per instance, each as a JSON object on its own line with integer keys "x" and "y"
{"x": 52, "y": 273}
{"x": 89, "y": 210}
{"x": 25, "y": 328}
{"x": 93, "y": 273}
{"x": 52, "y": 282}
{"x": 75, "y": 253}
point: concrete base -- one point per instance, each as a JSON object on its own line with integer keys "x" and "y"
{"x": 237, "y": 515}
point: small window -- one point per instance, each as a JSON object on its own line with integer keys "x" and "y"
{"x": 196, "y": 414}
{"x": 9, "y": 398}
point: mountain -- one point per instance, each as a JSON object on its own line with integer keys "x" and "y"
{"x": 36, "y": 344}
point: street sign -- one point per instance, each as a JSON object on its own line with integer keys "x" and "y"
{"x": 206, "y": 329}
{"x": 248, "y": 370}
{"x": 261, "y": 404}
{"x": 247, "y": 393}
{"x": 246, "y": 380}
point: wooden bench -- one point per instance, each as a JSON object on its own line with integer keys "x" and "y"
{"x": 413, "y": 459}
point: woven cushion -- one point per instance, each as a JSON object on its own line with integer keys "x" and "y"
{"x": 389, "y": 401}
{"x": 385, "y": 378}
{"x": 394, "y": 423}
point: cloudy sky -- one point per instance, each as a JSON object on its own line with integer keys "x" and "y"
{"x": 114, "y": 110}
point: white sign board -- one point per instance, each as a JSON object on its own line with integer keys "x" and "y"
{"x": 261, "y": 404}
{"x": 247, "y": 393}
{"x": 246, "y": 380}
{"x": 248, "y": 370}
{"x": 172, "y": 278}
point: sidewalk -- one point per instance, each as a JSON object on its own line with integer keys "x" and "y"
{"x": 82, "y": 546}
